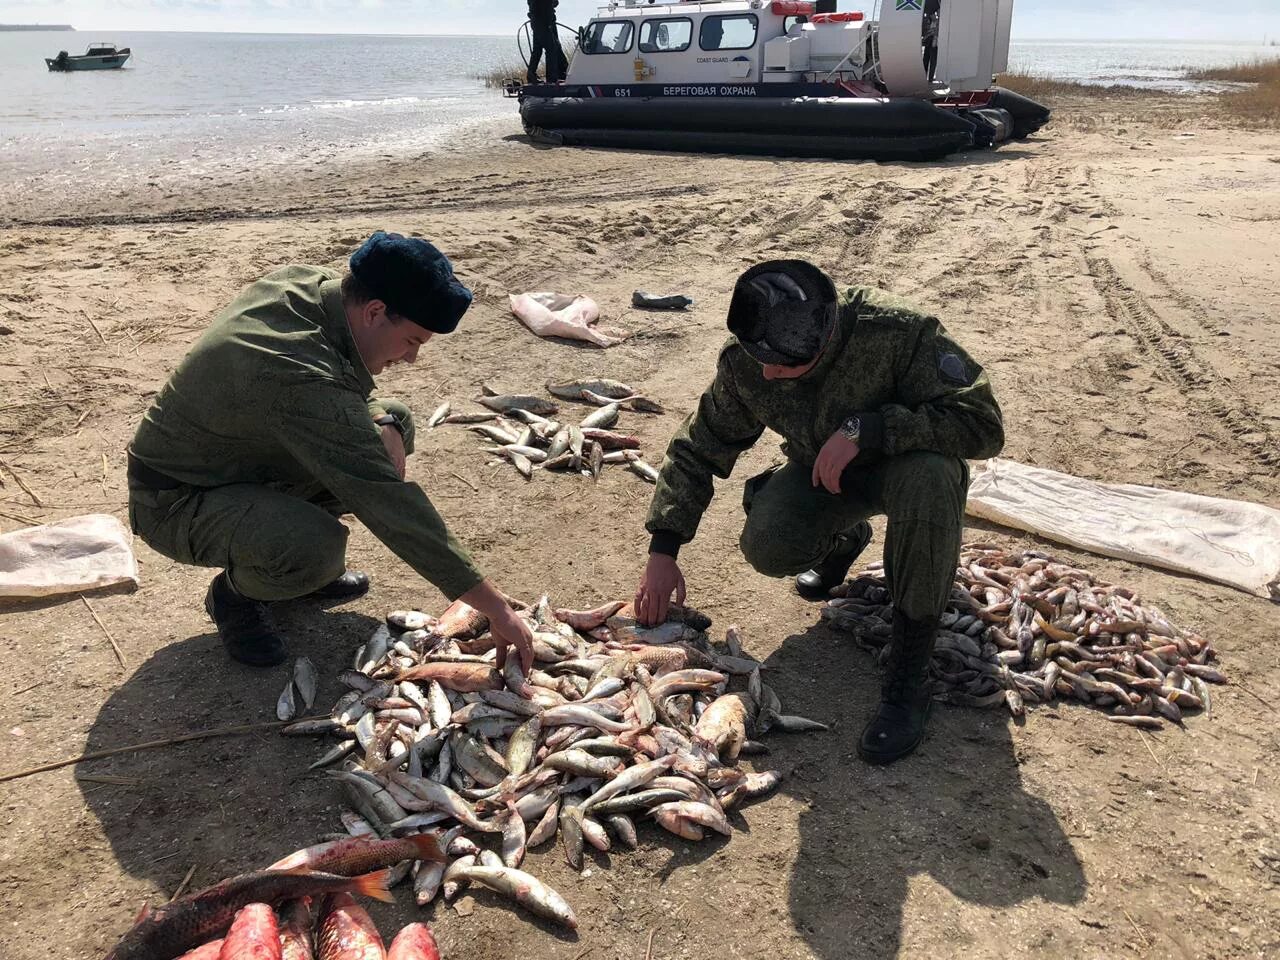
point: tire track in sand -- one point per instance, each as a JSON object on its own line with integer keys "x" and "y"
{"x": 1190, "y": 374}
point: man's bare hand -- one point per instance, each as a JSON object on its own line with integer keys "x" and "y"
{"x": 510, "y": 631}
{"x": 835, "y": 455}
{"x": 394, "y": 443}
{"x": 507, "y": 629}
{"x": 661, "y": 578}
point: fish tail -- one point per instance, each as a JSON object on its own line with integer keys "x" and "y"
{"x": 428, "y": 847}
{"x": 374, "y": 885}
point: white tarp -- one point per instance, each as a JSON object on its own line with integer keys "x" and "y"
{"x": 1228, "y": 541}
{"x": 70, "y": 556}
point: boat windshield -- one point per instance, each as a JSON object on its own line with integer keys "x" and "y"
{"x": 607, "y": 36}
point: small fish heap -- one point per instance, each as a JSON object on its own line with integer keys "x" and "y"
{"x": 268, "y": 915}
{"x": 520, "y": 431}
{"x": 615, "y": 722}
{"x": 1027, "y": 628}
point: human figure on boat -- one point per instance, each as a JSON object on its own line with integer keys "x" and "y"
{"x": 542, "y": 26}
{"x": 932, "y": 22}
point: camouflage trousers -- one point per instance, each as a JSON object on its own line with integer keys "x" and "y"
{"x": 275, "y": 542}
{"x": 792, "y": 525}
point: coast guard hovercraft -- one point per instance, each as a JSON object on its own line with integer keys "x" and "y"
{"x": 790, "y": 77}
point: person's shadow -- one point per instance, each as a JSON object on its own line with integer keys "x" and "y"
{"x": 220, "y": 804}
{"x": 955, "y": 810}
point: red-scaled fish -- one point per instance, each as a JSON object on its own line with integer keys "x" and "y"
{"x": 347, "y": 932}
{"x": 414, "y": 942}
{"x": 173, "y": 929}
{"x": 295, "y": 930}
{"x": 253, "y": 935}
{"x": 353, "y": 856}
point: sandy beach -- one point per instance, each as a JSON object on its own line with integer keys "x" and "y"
{"x": 1118, "y": 277}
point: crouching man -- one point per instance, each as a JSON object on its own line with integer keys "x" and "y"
{"x": 878, "y": 408}
{"x": 267, "y": 432}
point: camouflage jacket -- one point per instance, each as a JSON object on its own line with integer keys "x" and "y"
{"x": 888, "y": 363}
{"x": 275, "y": 393}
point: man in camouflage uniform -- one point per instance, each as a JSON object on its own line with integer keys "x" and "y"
{"x": 267, "y": 431}
{"x": 878, "y": 408}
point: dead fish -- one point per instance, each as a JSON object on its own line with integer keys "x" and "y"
{"x": 495, "y": 433}
{"x": 597, "y": 461}
{"x": 505, "y": 403}
{"x": 286, "y": 709}
{"x": 463, "y": 677}
{"x": 254, "y": 934}
{"x": 526, "y": 889}
{"x": 585, "y": 620}
{"x": 573, "y": 389}
{"x": 634, "y": 402}
{"x": 306, "y": 679}
{"x": 347, "y": 932}
{"x": 438, "y": 415}
{"x": 469, "y": 418}
{"x": 358, "y": 855}
{"x": 602, "y": 419}
{"x": 643, "y": 470}
{"x": 166, "y": 932}
{"x": 414, "y": 942}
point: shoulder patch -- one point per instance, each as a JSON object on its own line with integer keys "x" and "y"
{"x": 953, "y": 368}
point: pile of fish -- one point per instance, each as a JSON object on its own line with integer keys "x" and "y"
{"x": 614, "y": 723}
{"x": 268, "y": 915}
{"x": 519, "y": 428}
{"x": 1027, "y": 628}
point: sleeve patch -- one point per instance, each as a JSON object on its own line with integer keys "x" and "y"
{"x": 953, "y": 369}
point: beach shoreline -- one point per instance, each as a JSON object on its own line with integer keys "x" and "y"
{"x": 1116, "y": 275}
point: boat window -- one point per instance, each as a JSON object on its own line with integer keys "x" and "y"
{"x": 728, "y": 33}
{"x": 665, "y": 36}
{"x": 607, "y": 36}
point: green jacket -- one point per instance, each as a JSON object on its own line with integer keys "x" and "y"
{"x": 912, "y": 385}
{"x": 276, "y": 393}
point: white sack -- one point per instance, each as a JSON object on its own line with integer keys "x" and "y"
{"x": 563, "y": 315}
{"x": 1228, "y": 541}
{"x": 70, "y": 556}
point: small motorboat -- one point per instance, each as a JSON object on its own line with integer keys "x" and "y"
{"x": 99, "y": 56}
{"x": 786, "y": 77}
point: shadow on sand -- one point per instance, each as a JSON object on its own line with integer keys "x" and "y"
{"x": 955, "y": 811}
{"x": 221, "y": 804}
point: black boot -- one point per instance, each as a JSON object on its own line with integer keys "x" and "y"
{"x": 244, "y": 625}
{"x": 349, "y": 586}
{"x": 816, "y": 584}
{"x": 898, "y": 726}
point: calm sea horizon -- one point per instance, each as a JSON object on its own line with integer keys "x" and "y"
{"x": 206, "y": 103}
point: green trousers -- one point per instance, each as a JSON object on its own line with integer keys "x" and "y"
{"x": 792, "y": 525}
{"x": 276, "y": 543}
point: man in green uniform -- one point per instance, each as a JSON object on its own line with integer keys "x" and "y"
{"x": 878, "y": 407}
{"x": 267, "y": 432}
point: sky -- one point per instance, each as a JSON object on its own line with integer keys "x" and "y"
{"x": 1241, "y": 20}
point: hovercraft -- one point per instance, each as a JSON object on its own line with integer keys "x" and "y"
{"x": 787, "y": 77}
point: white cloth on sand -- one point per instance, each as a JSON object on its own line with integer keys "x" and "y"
{"x": 564, "y": 315}
{"x": 1227, "y": 541}
{"x": 70, "y": 556}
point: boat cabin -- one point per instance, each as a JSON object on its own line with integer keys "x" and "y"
{"x": 915, "y": 48}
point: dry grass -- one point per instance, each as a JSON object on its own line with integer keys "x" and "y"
{"x": 1046, "y": 89}
{"x": 494, "y": 77}
{"x": 1253, "y": 71}
{"x": 1256, "y": 106}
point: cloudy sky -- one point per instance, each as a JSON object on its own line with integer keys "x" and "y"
{"x": 1246, "y": 20}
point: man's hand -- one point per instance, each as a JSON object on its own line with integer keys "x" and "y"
{"x": 507, "y": 629}
{"x": 394, "y": 443}
{"x": 834, "y": 456}
{"x": 661, "y": 577}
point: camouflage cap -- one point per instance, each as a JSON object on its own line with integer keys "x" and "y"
{"x": 783, "y": 311}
